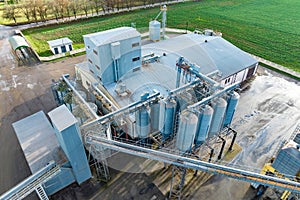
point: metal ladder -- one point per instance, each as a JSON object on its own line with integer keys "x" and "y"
{"x": 41, "y": 193}
{"x": 296, "y": 131}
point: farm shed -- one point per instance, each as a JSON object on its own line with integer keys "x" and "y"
{"x": 61, "y": 45}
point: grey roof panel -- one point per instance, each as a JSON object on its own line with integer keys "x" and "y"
{"x": 38, "y": 141}
{"x": 59, "y": 42}
{"x": 112, "y": 35}
{"x": 62, "y": 117}
{"x": 210, "y": 53}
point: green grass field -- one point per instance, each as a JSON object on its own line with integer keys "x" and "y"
{"x": 269, "y": 29}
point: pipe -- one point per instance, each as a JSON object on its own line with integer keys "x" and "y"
{"x": 104, "y": 96}
{"x": 233, "y": 139}
{"x": 79, "y": 96}
{"x": 204, "y": 77}
{"x": 109, "y": 115}
{"x": 207, "y": 99}
{"x": 178, "y": 77}
{"x": 115, "y": 63}
{"x": 185, "y": 87}
{"x": 222, "y": 148}
{"x": 199, "y": 165}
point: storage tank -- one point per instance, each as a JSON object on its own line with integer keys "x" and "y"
{"x": 154, "y": 30}
{"x": 142, "y": 124}
{"x": 167, "y": 117}
{"x": 186, "y": 131}
{"x": 218, "y": 116}
{"x": 154, "y": 116}
{"x": 231, "y": 106}
{"x": 204, "y": 123}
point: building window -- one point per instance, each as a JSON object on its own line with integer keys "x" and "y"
{"x": 95, "y": 52}
{"x": 92, "y": 71}
{"x": 135, "y": 44}
{"x": 99, "y": 78}
{"x": 90, "y": 61}
{"x": 135, "y": 59}
{"x": 227, "y": 80}
{"x": 87, "y": 83}
{"x": 56, "y": 50}
{"x": 97, "y": 67}
{"x": 63, "y": 49}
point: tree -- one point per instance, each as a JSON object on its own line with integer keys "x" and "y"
{"x": 85, "y": 6}
{"x": 26, "y": 9}
{"x": 96, "y": 5}
{"x": 41, "y": 9}
{"x": 62, "y": 5}
{"x": 33, "y": 11}
{"x": 74, "y": 7}
{"x": 54, "y": 7}
{"x": 10, "y": 12}
{"x": 69, "y": 99}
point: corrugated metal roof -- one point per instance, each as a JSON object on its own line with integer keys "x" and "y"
{"x": 17, "y": 42}
{"x": 155, "y": 76}
{"x": 62, "y": 117}
{"x": 210, "y": 53}
{"x": 38, "y": 141}
{"x": 59, "y": 42}
{"x": 112, "y": 35}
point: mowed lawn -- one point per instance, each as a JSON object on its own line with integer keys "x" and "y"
{"x": 269, "y": 29}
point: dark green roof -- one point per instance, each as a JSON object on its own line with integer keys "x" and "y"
{"x": 17, "y": 42}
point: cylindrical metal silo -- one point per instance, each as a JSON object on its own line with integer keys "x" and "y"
{"x": 154, "y": 30}
{"x": 232, "y": 104}
{"x": 167, "y": 117}
{"x": 204, "y": 123}
{"x": 142, "y": 122}
{"x": 186, "y": 131}
{"x": 154, "y": 114}
{"x": 218, "y": 117}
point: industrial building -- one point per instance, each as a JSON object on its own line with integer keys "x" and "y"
{"x": 166, "y": 101}
{"x": 112, "y": 53}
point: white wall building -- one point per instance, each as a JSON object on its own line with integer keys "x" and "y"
{"x": 61, "y": 45}
{"x": 214, "y": 56}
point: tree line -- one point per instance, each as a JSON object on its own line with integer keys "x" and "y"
{"x": 43, "y": 10}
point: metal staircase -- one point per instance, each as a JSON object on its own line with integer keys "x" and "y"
{"x": 41, "y": 193}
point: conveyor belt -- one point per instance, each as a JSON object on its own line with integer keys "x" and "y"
{"x": 186, "y": 162}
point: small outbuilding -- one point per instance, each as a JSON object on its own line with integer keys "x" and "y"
{"x": 17, "y": 42}
{"x": 61, "y": 45}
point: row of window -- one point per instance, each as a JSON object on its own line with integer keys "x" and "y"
{"x": 135, "y": 59}
{"x": 227, "y": 80}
